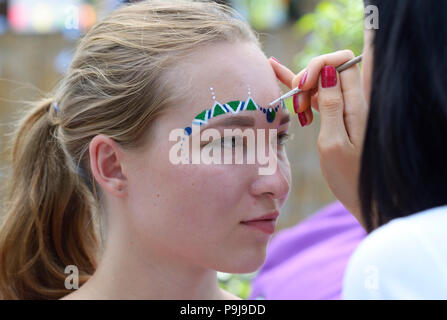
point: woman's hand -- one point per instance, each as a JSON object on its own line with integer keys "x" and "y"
{"x": 343, "y": 111}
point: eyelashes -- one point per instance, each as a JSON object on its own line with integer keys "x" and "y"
{"x": 282, "y": 139}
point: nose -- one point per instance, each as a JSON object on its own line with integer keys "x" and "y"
{"x": 276, "y": 185}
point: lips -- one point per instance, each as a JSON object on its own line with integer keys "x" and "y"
{"x": 265, "y": 223}
{"x": 268, "y": 216}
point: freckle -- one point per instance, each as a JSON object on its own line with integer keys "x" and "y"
{"x": 158, "y": 196}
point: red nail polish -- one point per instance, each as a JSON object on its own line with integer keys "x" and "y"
{"x": 302, "y": 118}
{"x": 328, "y": 77}
{"x": 276, "y": 60}
{"x": 303, "y": 80}
{"x": 295, "y": 103}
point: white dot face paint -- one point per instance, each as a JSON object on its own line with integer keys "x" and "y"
{"x": 231, "y": 107}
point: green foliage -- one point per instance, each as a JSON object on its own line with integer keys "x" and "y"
{"x": 334, "y": 25}
{"x": 237, "y": 284}
{"x": 262, "y": 14}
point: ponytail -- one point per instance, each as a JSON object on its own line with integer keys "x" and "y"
{"x": 47, "y": 219}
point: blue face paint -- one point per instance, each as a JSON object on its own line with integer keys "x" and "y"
{"x": 233, "y": 107}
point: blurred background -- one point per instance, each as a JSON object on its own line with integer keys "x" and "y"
{"x": 38, "y": 38}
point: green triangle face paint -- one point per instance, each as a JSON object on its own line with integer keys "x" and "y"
{"x": 201, "y": 116}
{"x": 218, "y": 110}
{"x": 251, "y": 105}
{"x": 233, "y": 107}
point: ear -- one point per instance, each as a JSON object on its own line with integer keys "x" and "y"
{"x": 107, "y": 166}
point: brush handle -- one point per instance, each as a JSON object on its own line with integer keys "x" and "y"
{"x": 340, "y": 68}
{"x": 349, "y": 64}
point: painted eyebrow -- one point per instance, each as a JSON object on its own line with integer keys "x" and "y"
{"x": 238, "y": 121}
{"x": 244, "y": 121}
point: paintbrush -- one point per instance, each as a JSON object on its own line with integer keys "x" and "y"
{"x": 340, "y": 68}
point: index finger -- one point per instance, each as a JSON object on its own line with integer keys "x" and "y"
{"x": 314, "y": 67}
{"x": 284, "y": 74}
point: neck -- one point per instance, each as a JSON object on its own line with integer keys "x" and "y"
{"x": 127, "y": 271}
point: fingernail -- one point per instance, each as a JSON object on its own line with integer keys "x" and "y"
{"x": 302, "y": 118}
{"x": 328, "y": 77}
{"x": 295, "y": 103}
{"x": 303, "y": 80}
{"x": 276, "y": 60}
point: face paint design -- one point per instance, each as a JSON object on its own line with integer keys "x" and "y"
{"x": 233, "y": 107}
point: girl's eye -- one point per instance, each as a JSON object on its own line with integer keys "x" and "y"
{"x": 231, "y": 142}
{"x": 224, "y": 142}
{"x": 227, "y": 142}
{"x": 283, "y": 138}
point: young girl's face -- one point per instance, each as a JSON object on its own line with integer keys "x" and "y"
{"x": 195, "y": 212}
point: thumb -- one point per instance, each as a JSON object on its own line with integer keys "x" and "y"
{"x": 331, "y": 106}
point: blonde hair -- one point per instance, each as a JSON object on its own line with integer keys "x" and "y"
{"x": 114, "y": 87}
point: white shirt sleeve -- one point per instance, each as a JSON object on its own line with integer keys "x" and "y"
{"x": 395, "y": 262}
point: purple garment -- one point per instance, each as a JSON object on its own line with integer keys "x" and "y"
{"x": 308, "y": 261}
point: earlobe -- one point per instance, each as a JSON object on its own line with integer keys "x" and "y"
{"x": 121, "y": 189}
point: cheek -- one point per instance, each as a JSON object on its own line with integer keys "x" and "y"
{"x": 211, "y": 190}
{"x": 195, "y": 212}
{"x": 195, "y": 197}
